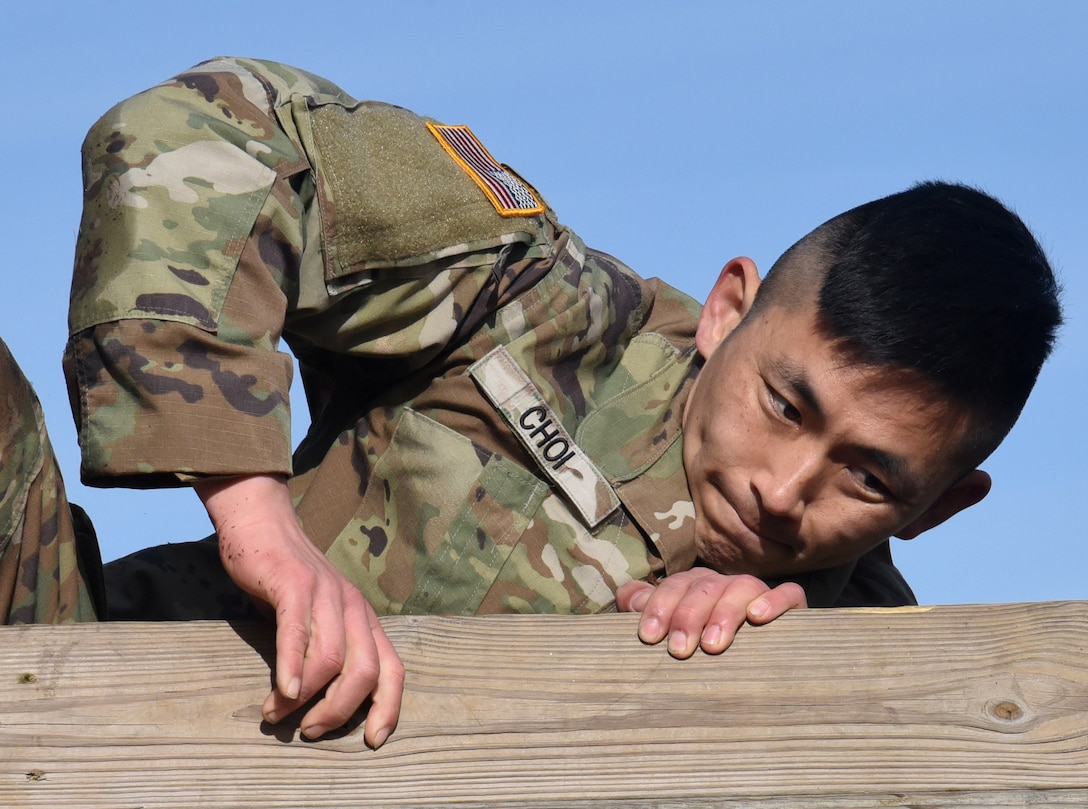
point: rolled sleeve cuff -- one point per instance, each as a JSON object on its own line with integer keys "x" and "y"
{"x": 158, "y": 404}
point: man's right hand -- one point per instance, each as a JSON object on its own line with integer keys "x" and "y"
{"x": 327, "y": 634}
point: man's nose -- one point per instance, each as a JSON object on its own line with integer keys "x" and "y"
{"x": 784, "y": 484}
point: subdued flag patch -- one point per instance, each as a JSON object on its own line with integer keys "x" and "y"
{"x": 509, "y": 195}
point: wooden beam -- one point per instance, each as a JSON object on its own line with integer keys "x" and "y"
{"x": 967, "y": 706}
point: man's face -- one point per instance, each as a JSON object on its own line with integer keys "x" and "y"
{"x": 799, "y": 460}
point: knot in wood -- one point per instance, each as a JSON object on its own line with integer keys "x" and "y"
{"x": 1006, "y": 710}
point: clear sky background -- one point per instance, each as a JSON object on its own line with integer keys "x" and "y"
{"x": 673, "y": 135}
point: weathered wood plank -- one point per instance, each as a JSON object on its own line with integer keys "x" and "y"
{"x": 983, "y": 706}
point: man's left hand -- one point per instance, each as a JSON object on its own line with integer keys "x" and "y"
{"x": 701, "y": 608}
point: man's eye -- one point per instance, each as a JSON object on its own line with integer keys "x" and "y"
{"x": 783, "y": 407}
{"x": 871, "y": 482}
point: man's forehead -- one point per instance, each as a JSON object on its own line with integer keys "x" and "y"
{"x": 830, "y": 378}
{"x": 807, "y": 351}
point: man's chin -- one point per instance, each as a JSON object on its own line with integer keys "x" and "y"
{"x": 768, "y": 559}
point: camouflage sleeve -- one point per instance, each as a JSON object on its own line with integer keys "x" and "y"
{"x": 189, "y": 229}
{"x": 43, "y": 578}
{"x": 243, "y": 202}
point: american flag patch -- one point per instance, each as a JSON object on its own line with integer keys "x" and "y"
{"x": 509, "y": 195}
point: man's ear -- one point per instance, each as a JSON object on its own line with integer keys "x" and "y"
{"x": 965, "y": 492}
{"x": 727, "y": 303}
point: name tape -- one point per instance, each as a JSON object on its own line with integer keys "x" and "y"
{"x": 539, "y": 430}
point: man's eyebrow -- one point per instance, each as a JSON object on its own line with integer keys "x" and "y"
{"x": 793, "y": 375}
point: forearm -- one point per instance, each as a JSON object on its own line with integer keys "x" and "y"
{"x": 260, "y": 536}
{"x": 246, "y": 502}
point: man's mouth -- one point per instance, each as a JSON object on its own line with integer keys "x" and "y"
{"x": 762, "y": 533}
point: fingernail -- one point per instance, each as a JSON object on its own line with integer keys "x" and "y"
{"x": 757, "y": 609}
{"x": 650, "y": 630}
{"x": 678, "y": 642}
{"x": 712, "y": 634}
{"x": 313, "y": 732}
{"x": 272, "y": 717}
{"x": 293, "y": 688}
{"x": 380, "y": 737}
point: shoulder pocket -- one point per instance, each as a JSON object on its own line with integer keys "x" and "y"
{"x": 168, "y": 207}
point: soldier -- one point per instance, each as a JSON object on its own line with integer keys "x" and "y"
{"x": 48, "y": 551}
{"x": 502, "y": 418}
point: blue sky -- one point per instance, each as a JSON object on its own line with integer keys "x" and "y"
{"x": 673, "y": 137}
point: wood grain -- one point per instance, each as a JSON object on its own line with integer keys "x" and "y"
{"x": 966, "y": 706}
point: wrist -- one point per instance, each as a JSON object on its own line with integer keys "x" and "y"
{"x": 236, "y": 502}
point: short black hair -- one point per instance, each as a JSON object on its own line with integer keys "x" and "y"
{"x": 941, "y": 279}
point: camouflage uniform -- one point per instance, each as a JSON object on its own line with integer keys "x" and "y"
{"x": 49, "y": 566}
{"x": 496, "y": 408}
